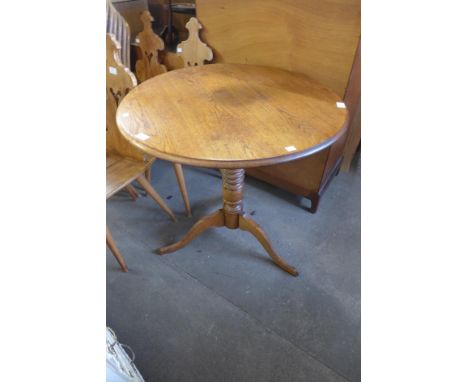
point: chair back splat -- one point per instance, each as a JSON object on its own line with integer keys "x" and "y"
{"x": 119, "y": 81}
{"x": 149, "y": 44}
{"x": 194, "y": 51}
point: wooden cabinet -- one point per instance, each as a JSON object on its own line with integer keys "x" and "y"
{"x": 308, "y": 177}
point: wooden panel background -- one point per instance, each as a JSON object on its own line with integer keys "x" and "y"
{"x": 353, "y": 103}
{"x": 314, "y": 37}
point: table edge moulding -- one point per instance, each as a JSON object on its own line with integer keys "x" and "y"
{"x": 146, "y": 145}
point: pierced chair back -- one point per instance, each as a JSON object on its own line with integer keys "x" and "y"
{"x": 119, "y": 81}
{"x": 194, "y": 51}
{"x": 149, "y": 44}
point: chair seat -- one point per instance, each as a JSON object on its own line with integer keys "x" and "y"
{"x": 121, "y": 171}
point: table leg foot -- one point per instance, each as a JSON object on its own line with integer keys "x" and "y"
{"x": 249, "y": 225}
{"x": 216, "y": 219}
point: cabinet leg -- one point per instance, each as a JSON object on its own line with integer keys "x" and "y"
{"x": 314, "y": 203}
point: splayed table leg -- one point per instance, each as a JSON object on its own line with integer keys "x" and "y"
{"x": 232, "y": 217}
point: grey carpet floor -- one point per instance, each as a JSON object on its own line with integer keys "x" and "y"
{"x": 219, "y": 309}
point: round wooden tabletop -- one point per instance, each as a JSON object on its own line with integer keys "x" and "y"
{"x": 231, "y": 116}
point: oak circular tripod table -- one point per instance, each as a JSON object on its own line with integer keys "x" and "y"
{"x": 231, "y": 116}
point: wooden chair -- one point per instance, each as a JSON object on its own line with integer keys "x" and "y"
{"x": 116, "y": 24}
{"x": 148, "y": 66}
{"x": 124, "y": 162}
{"x": 149, "y": 44}
{"x": 194, "y": 51}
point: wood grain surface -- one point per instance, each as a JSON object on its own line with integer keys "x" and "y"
{"x": 193, "y": 50}
{"x": 231, "y": 116}
{"x": 149, "y": 45}
{"x": 119, "y": 81}
{"x": 314, "y": 37}
{"x": 120, "y": 172}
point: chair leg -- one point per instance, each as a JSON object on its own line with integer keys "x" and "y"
{"x": 183, "y": 189}
{"x": 152, "y": 192}
{"x": 148, "y": 174}
{"x": 115, "y": 251}
{"x": 131, "y": 190}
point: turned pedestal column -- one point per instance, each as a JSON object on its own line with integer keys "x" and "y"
{"x": 233, "y": 190}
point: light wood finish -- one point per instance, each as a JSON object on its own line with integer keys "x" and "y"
{"x": 196, "y": 48}
{"x": 155, "y": 196}
{"x": 149, "y": 45}
{"x": 119, "y": 81}
{"x": 115, "y": 250}
{"x": 124, "y": 162}
{"x": 148, "y": 174}
{"x": 182, "y": 186}
{"x": 131, "y": 190}
{"x": 314, "y": 37}
{"x": 172, "y": 61}
{"x": 194, "y": 51}
{"x": 231, "y": 116}
{"x": 120, "y": 172}
{"x": 147, "y": 67}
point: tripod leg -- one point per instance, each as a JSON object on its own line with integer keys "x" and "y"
{"x": 216, "y": 219}
{"x": 251, "y": 226}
